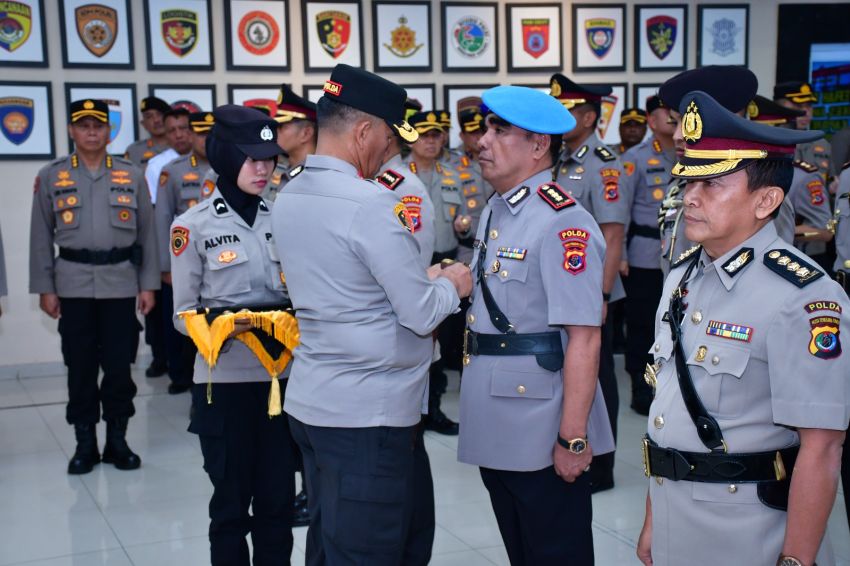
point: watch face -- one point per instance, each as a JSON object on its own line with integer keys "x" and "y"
{"x": 789, "y": 561}
{"x": 578, "y": 446}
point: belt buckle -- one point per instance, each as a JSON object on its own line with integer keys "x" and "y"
{"x": 645, "y": 450}
{"x": 779, "y": 467}
{"x": 466, "y": 358}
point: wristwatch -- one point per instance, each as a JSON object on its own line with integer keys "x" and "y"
{"x": 576, "y": 445}
{"x": 785, "y": 560}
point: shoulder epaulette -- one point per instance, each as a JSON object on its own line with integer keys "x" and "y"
{"x": 123, "y": 161}
{"x": 390, "y": 179}
{"x": 412, "y": 166}
{"x": 791, "y": 267}
{"x": 295, "y": 171}
{"x": 555, "y": 196}
{"x": 656, "y": 146}
{"x": 685, "y": 255}
{"x": 604, "y": 154}
{"x": 807, "y": 167}
{"x": 845, "y": 166}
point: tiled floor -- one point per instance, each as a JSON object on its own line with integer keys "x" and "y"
{"x": 157, "y": 515}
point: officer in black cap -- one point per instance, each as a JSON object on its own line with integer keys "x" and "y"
{"x": 222, "y": 256}
{"x": 153, "y": 112}
{"x": 733, "y": 88}
{"x": 799, "y": 95}
{"x": 366, "y": 308}
{"x": 296, "y": 136}
{"x": 632, "y": 129}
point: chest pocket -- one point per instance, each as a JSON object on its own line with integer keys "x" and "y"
{"x": 228, "y": 271}
{"x": 122, "y": 210}
{"x": 717, "y": 370}
{"x": 507, "y": 284}
{"x": 276, "y": 279}
{"x": 451, "y": 202}
{"x": 67, "y": 207}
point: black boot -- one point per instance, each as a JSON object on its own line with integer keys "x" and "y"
{"x": 86, "y": 455}
{"x": 116, "y": 450}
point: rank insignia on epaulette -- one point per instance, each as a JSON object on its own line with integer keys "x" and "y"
{"x": 263, "y": 206}
{"x": 294, "y": 172}
{"x": 741, "y": 258}
{"x": 604, "y": 154}
{"x": 685, "y": 255}
{"x": 791, "y": 267}
{"x": 555, "y": 196}
{"x": 390, "y": 179}
{"x": 519, "y": 196}
{"x": 412, "y": 166}
{"x": 805, "y": 166}
{"x": 220, "y": 206}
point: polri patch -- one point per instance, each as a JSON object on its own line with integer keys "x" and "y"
{"x": 208, "y": 188}
{"x": 611, "y": 180}
{"x": 512, "y": 253}
{"x": 400, "y": 212}
{"x": 575, "y": 249}
{"x": 414, "y": 210}
{"x": 739, "y": 260}
{"x": 816, "y": 192}
{"x": 823, "y": 306}
{"x": 731, "y": 331}
{"x": 825, "y": 343}
{"x": 179, "y": 240}
{"x": 390, "y": 179}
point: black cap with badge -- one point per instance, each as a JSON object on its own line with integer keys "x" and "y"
{"x": 154, "y": 103}
{"x": 97, "y": 109}
{"x": 371, "y": 94}
{"x": 248, "y": 129}
{"x": 732, "y": 87}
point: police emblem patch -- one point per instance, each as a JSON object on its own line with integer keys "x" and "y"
{"x": 334, "y": 30}
{"x": 15, "y": 24}
{"x": 97, "y": 26}
{"x": 179, "y": 30}
{"x": 258, "y": 33}
{"x": 816, "y": 194}
{"x": 179, "y": 240}
{"x": 610, "y": 178}
{"x": 266, "y": 134}
{"x": 535, "y": 36}
{"x": 599, "y": 33}
{"x": 661, "y": 35}
{"x": 403, "y": 216}
{"x": 414, "y": 211}
{"x": 403, "y": 40}
{"x": 824, "y": 343}
{"x": 208, "y": 188}
{"x": 17, "y": 115}
{"x": 575, "y": 245}
{"x": 470, "y": 36}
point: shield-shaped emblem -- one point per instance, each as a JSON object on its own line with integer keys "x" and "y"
{"x": 15, "y": 24}
{"x": 179, "y": 30}
{"x": 661, "y": 35}
{"x": 97, "y": 26}
{"x": 600, "y": 35}
{"x": 535, "y": 36}
{"x": 114, "y": 118}
{"x": 334, "y": 29}
{"x": 16, "y": 118}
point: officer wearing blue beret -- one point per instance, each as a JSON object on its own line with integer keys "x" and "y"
{"x": 745, "y": 432}
{"x": 366, "y": 308}
{"x": 530, "y": 404}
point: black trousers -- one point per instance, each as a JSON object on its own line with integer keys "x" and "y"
{"x": 248, "y": 459}
{"x": 99, "y": 333}
{"x": 153, "y": 330}
{"x": 361, "y": 485}
{"x": 544, "y": 521}
{"x": 420, "y": 538}
{"x": 643, "y": 293}
{"x": 179, "y": 348}
{"x": 602, "y": 467}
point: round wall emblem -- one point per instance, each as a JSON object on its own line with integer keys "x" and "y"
{"x": 471, "y": 36}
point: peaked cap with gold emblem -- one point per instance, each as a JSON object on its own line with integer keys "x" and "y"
{"x": 795, "y": 91}
{"x": 469, "y": 114}
{"x": 291, "y": 107}
{"x": 426, "y": 121}
{"x": 89, "y": 107}
{"x": 201, "y": 122}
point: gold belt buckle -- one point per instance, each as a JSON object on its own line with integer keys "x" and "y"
{"x": 466, "y": 358}
{"x": 645, "y": 449}
{"x": 779, "y": 467}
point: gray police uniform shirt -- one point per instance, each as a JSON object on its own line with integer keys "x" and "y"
{"x": 365, "y": 306}
{"x": 475, "y": 191}
{"x": 647, "y": 167}
{"x": 75, "y": 208}
{"x": 818, "y": 153}
{"x": 443, "y": 184}
{"x": 179, "y": 190}
{"x": 810, "y": 200}
{"x": 4, "y": 289}
{"x": 672, "y": 225}
{"x": 218, "y": 260}
{"x": 415, "y": 198}
{"x": 761, "y": 336}
{"x": 141, "y": 151}
{"x": 544, "y": 269}
{"x": 842, "y": 223}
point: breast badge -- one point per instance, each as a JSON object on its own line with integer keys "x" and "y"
{"x": 227, "y": 256}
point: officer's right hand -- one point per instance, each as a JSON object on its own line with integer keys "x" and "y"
{"x": 240, "y": 325}
{"x": 460, "y": 276}
{"x": 49, "y": 303}
{"x": 644, "y": 544}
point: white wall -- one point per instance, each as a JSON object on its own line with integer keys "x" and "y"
{"x": 26, "y": 335}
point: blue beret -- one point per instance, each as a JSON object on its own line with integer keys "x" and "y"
{"x": 529, "y": 109}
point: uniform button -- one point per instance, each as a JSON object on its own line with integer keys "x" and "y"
{"x": 657, "y": 347}
{"x": 715, "y": 360}
{"x": 470, "y": 318}
{"x": 733, "y": 488}
{"x": 696, "y": 318}
{"x": 520, "y": 389}
{"x": 659, "y": 480}
{"x": 494, "y": 234}
{"x": 659, "y": 422}
{"x": 502, "y": 345}
{"x": 504, "y": 273}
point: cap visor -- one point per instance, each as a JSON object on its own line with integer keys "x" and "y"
{"x": 689, "y": 168}
{"x": 403, "y": 130}
{"x": 259, "y": 151}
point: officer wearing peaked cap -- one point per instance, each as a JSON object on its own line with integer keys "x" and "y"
{"x": 96, "y": 209}
{"x": 745, "y": 432}
{"x": 733, "y": 88}
{"x": 632, "y": 129}
{"x": 296, "y": 136}
{"x": 531, "y": 410}
{"x": 800, "y": 96}
{"x": 358, "y": 285}
{"x": 153, "y": 112}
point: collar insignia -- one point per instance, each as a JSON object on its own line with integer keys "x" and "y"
{"x": 519, "y": 196}
{"x": 741, "y": 259}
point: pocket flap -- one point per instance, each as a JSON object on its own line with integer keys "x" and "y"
{"x": 450, "y": 195}
{"x": 508, "y": 270}
{"x": 226, "y": 256}
{"x": 523, "y": 384}
{"x": 717, "y": 358}
{"x": 272, "y": 251}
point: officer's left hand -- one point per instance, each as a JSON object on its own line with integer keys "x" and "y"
{"x": 568, "y": 465}
{"x": 146, "y": 301}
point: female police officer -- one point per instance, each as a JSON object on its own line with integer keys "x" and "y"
{"x": 223, "y": 256}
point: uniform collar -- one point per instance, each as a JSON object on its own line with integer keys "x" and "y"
{"x": 731, "y": 265}
{"x": 584, "y": 150}
{"x": 395, "y": 163}
{"x": 332, "y": 163}
{"x": 522, "y": 193}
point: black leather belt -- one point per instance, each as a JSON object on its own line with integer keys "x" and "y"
{"x": 545, "y": 346}
{"x": 102, "y": 257}
{"x": 437, "y": 257}
{"x": 643, "y": 231}
{"x": 718, "y": 467}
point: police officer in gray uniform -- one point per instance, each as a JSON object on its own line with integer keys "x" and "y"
{"x": 647, "y": 167}
{"x": 296, "y": 136}
{"x": 733, "y": 87}
{"x": 223, "y": 256}
{"x": 180, "y": 191}
{"x": 745, "y": 432}
{"x": 97, "y": 210}
{"x": 366, "y": 309}
{"x": 841, "y": 267}
{"x": 800, "y": 96}
{"x": 632, "y": 129}
{"x": 4, "y": 289}
{"x": 153, "y": 111}
{"x": 530, "y": 403}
